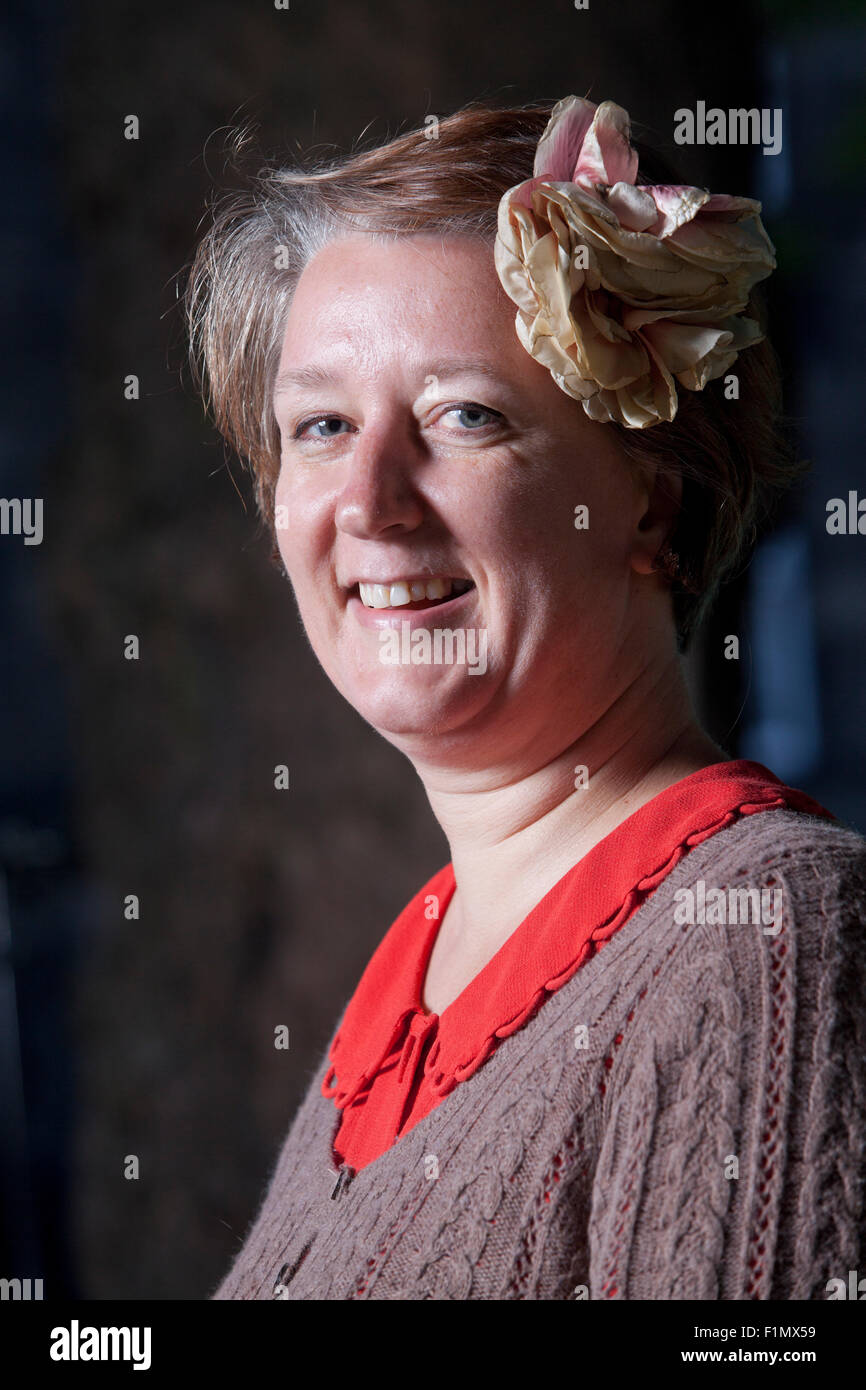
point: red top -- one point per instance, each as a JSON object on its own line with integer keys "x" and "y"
{"x": 392, "y": 1061}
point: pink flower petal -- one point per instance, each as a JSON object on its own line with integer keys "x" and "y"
{"x": 559, "y": 148}
{"x": 607, "y": 156}
{"x": 521, "y": 194}
{"x": 726, "y": 203}
{"x": 676, "y": 203}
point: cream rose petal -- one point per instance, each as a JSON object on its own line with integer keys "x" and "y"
{"x": 663, "y": 391}
{"x": 552, "y": 284}
{"x": 547, "y": 350}
{"x": 509, "y": 258}
{"x": 634, "y": 207}
{"x": 682, "y": 346}
{"x": 613, "y": 357}
{"x": 741, "y": 333}
{"x": 709, "y": 240}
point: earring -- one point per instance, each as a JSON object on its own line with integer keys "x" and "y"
{"x": 667, "y": 562}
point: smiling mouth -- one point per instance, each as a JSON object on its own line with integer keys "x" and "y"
{"x": 411, "y": 595}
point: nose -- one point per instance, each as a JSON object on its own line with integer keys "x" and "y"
{"x": 380, "y": 494}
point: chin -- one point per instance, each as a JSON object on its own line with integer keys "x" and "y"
{"x": 410, "y": 704}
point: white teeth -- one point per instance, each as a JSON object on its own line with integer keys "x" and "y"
{"x": 399, "y": 594}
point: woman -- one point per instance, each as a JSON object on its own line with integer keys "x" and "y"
{"x": 614, "y": 1049}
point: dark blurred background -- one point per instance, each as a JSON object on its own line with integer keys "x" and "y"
{"x": 152, "y": 1035}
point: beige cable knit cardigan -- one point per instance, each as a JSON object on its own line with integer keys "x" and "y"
{"x": 707, "y": 1142}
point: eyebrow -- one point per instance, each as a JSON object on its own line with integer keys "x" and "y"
{"x": 444, "y": 368}
{"x": 305, "y": 376}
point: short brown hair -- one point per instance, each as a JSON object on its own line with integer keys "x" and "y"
{"x": 733, "y": 456}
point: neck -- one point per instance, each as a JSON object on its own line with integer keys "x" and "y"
{"x": 514, "y": 831}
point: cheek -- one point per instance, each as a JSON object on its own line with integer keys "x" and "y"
{"x": 596, "y": 510}
{"x": 287, "y": 535}
{"x": 569, "y": 550}
{"x": 557, "y": 537}
{"x": 301, "y": 529}
{"x": 559, "y": 485}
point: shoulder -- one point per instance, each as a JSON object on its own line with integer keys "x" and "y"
{"x": 805, "y": 872}
{"x": 758, "y": 931}
{"x": 789, "y": 840}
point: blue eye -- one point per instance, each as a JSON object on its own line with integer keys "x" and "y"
{"x": 471, "y": 415}
{"x": 320, "y": 420}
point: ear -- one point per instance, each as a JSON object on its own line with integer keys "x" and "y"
{"x": 663, "y": 491}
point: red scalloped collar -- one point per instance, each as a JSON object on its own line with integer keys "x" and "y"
{"x": 582, "y": 911}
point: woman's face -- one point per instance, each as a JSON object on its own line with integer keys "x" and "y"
{"x": 421, "y": 442}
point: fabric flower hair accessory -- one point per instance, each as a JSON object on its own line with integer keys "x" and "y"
{"x": 624, "y": 290}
